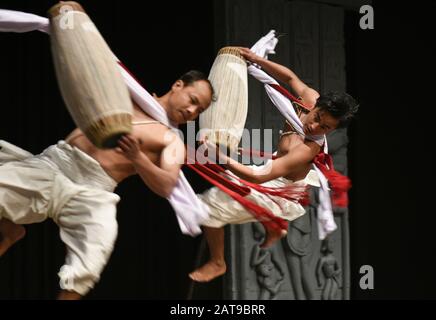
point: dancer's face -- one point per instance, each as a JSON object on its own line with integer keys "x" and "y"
{"x": 319, "y": 122}
{"x": 188, "y": 101}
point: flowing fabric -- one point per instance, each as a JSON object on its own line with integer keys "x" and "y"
{"x": 17, "y": 21}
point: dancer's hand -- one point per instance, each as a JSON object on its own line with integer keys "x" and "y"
{"x": 130, "y": 147}
{"x": 214, "y": 154}
{"x": 249, "y": 55}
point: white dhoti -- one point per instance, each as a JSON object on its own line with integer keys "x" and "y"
{"x": 225, "y": 210}
{"x": 67, "y": 185}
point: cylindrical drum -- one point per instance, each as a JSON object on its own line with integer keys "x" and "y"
{"x": 88, "y": 76}
{"x": 223, "y": 122}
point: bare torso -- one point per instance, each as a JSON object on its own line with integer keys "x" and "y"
{"x": 115, "y": 164}
{"x": 286, "y": 144}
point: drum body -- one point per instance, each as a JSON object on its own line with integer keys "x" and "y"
{"x": 88, "y": 76}
{"x": 223, "y": 122}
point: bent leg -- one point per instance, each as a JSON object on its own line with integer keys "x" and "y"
{"x": 10, "y": 233}
{"x": 88, "y": 227}
{"x": 272, "y": 235}
{"x": 225, "y": 210}
{"x": 216, "y": 266}
{"x": 25, "y": 190}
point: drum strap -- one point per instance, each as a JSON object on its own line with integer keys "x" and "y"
{"x": 136, "y": 123}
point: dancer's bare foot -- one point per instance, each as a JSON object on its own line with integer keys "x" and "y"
{"x": 272, "y": 236}
{"x": 9, "y": 234}
{"x": 69, "y": 295}
{"x": 209, "y": 271}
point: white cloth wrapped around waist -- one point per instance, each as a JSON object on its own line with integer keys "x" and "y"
{"x": 78, "y": 166}
{"x": 225, "y": 210}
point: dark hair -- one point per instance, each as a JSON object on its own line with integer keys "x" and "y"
{"x": 340, "y": 105}
{"x": 193, "y": 76}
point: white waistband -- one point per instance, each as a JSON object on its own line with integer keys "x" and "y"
{"x": 78, "y": 166}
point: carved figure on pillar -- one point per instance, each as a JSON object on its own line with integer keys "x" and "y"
{"x": 270, "y": 273}
{"x": 328, "y": 272}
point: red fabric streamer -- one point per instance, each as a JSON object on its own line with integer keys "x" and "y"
{"x": 212, "y": 173}
{"x": 288, "y": 95}
{"x": 264, "y": 216}
{"x": 293, "y": 193}
{"x": 339, "y": 183}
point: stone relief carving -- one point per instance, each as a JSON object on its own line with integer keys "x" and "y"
{"x": 328, "y": 272}
{"x": 298, "y": 247}
{"x": 269, "y": 271}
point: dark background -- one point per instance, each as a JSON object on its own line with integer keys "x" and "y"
{"x": 389, "y": 70}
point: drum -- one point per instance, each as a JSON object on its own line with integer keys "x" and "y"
{"x": 223, "y": 122}
{"x": 88, "y": 76}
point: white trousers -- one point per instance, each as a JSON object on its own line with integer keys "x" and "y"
{"x": 223, "y": 209}
{"x": 64, "y": 184}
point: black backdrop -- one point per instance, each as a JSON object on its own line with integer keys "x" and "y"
{"x": 392, "y": 216}
{"x": 391, "y": 71}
